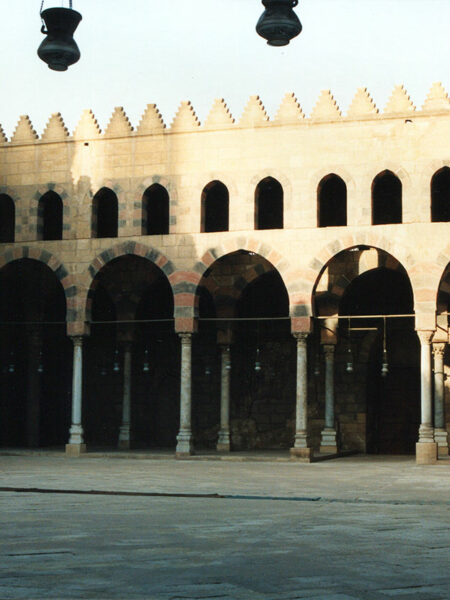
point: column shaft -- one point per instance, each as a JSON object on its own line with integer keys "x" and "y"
{"x": 76, "y": 443}
{"x": 124, "y": 432}
{"x": 440, "y": 433}
{"x": 328, "y": 442}
{"x": 301, "y": 448}
{"x": 223, "y": 442}
{"x": 184, "y": 438}
{"x": 426, "y": 448}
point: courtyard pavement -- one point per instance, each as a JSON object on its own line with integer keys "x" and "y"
{"x": 355, "y": 528}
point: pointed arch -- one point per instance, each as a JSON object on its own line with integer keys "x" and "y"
{"x": 386, "y": 199}
{"x": 7, "y": 219}
{"x": 215, "y": 207}
{"x": 440, "y": 196}
{"x": 50, "y": 216}
{"x": 155, "y": 210}
{"x": 105, "y": 214}
{"x": 269, "y": 204}
{"x": 331, "y": 202}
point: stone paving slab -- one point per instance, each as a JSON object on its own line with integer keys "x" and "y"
{"x": 380, "y": 530}
{"x": 359, "y": 478}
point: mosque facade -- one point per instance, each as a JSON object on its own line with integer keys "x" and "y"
{"x": 236, "y": 285}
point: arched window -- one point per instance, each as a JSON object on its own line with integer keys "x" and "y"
{"x": 7, "y": 219}
{"x": 440, "y": 196}
{"x": 155, "y": 209}
{"x": 332, "y": 202}
{"x": 386, "y": 199}
{"x": 105, "y": 214}
{"x": 50, "y": 217}
{"x": 215, "y": 207}
{"x": 269, "y": 204}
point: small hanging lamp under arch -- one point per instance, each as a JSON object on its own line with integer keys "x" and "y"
{"x": 59, "y": 50}
{"x": 279, "y": 24}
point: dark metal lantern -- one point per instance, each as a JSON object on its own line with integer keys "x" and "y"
{"x": 59, "y": 50}
{"x": 279, "y": 23}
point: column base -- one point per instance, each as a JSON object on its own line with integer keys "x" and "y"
{"x": 223, "y": 442}
{"x": 74, "y": 450}
{"x": 124, "y": 438}
{"x": 302, "y": 454}
{"x": 426, "y": 453}
{"x": 76, "y": 435}
{"x": 441, "y": 439}
{"x": 328, "y": 443}
{"x": 426, "y": 434}
{"x": 184, "y": 444}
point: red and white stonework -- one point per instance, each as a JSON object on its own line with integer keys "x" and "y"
{"x": 292, "y": 240}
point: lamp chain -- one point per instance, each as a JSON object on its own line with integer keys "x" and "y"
{"x": 42, "y": 5}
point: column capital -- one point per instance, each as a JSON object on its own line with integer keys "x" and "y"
{"x": 77, "y": 340}
{"x": 328, "y": 350}
{"x": 185, "y": 337}
{"x": 425, "y": 336}
{"x": 301, "y": 337}
{"x": 439, "y": 348}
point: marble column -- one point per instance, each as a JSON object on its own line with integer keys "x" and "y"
{"x": 124, "y": 431}
{"x": 426, "y": 447}
{"x": 76, "y": 445}
{"x": 328, "y": 442}
{"x": 33, "y": 397}
{"x": 301, "y": 448}
{"x": 440, "y": 432}
{"x": 184, "y": 437}
{"x": 223, "y": 442}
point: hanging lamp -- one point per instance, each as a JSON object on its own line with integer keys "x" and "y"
{"x": 146, "y": 363}
{"x": 384, "y": 364}
{"x": 257, "y": 361}
{"x": 349, "y": 365}
{"x": 116, "y": 364}
{"x": 40, "y": 368}
{"x": 11, "y": 364}
{"x": 279, "y": 24}
{"x": 59, "y": 50}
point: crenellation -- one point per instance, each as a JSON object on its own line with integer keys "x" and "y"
{"x": 55, "y": 130}
{"x": 399, "y": 102}
{"x": 437, "y": 99}
{"x": 362, "y": 105}
{"x": 24, "y": 132}
{"x": 254, "y": 114}
{"x": 185, "y": 119}
{"x": 219, "y": 116}
{"x": 119, "y": 125}
{"x": 289, "y": 111}
{"x": 326, "y": 108}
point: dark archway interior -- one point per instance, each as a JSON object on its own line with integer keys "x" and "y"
{"x": 440, "y": 196}
{"x": 332, "y": 202}
{"x": 156, "y": 210}
{"x": 263, "y": 402}
{"x": 50, "y": 212}
{"x": 386, "y": 199}
{"x": 7, "y": 219}
{"x": 269, "y": 204}
{"x": 36, "y": 355}
{"x": 392, "y": 402}
{"x": 128, "y": 291}
{"x": 106, "y": 213}
{"x": 215, "y": 207}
